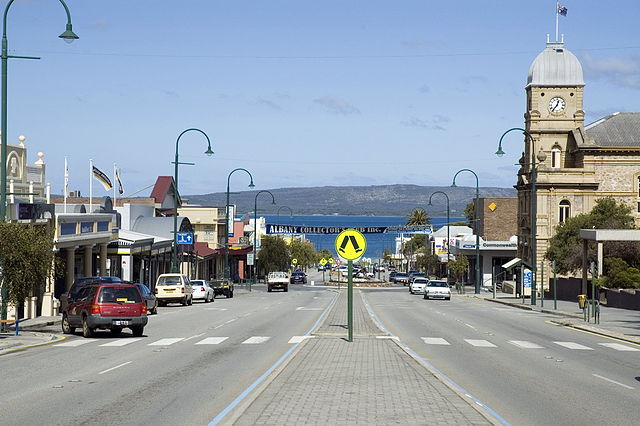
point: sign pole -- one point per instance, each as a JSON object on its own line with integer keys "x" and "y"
{"x": 350, "y": 299}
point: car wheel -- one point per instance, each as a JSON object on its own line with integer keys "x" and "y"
{"x": 116, "y": 331}
{"x": 425, "y": 296}
{"x": 86, "y": 330}
{"x": 230, "y": 294}
{"x": 449, "y": 298}
{"x": 269, "y": 289}
{"x": 66, "y": 328}
{"x": 154, "y": 310}
{"x": 191, "y": 301}
{"x": 137, "y": 330}
{"x": 184, "y": 301}
{"x": 286, "y": 289}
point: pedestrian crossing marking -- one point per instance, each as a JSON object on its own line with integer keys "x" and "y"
{"x": 254, "y": 340}
{"x": 480, "y": 343}
{"x": 299, "y": 339}
{"x": 435, "y": 341}
{"x": 122, "y": 342}
{"x": 525, "y": 345}
{"x": 74, "y": 343}
{"x": 212, "y": 341}
{"x": 573, "y": 345}
{"x": 166, "y": 342}
{"x": 619, "y": 347}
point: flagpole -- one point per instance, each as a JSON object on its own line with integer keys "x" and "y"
{"x": 90, "y": 185}
{"x": 66, "y": 183}
{"x": 557, "y": 16}
{"x": 115, "y": 197}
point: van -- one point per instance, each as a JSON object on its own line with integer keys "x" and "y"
{"x": 174, "y": 288}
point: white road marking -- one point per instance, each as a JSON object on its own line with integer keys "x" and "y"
{"x": 117, "y": 366}
{"x": 525, "y": 345}
{"x": 619, "y": 347}
{"x": 435, "y": 341}
{"x": 302, "y": 308}
{"x": 122, "y": 342}
{"x": 231, "y": 320}
{"x": 573, "y": 345}
{"x": 298, "y": 339}
{"x": 613, "y": 381}
{"x": 166, "y": 342}
{"x": 215, "y": 309}
{"x": 74, "y": 343}
{"x": 469, "y": 325}
{"x": 480, "y": 343}
{"x": 254, "y": 340}
{"x": 193, "y": 337}
{"x": 388, "y": 337}
{"x": 212, "y": 341}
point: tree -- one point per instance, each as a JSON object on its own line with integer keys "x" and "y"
{"x": 565, "y": 247}
{"x": 426, "y": 261}
{"x": 28, "y": 260}
{"x": 323, "y": 254}
{"x": 303, "y": 251}
{"x": 458, "y": 267}
{"x": 418, "y": 217}
{"x": 469, "y": 211}
{"x": 274, "y": 254}
{"x": 618, "y": 274}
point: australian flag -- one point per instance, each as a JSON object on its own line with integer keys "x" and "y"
{"x": 562, "y": 10}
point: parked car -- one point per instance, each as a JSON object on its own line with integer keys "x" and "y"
{"x": 417, "y": 274}
{"x": 202, "y": 290}
{"x": 277, "y": 279}
{"x": 80, "y": 283}
{"x": 402, "y": 278}
{"x": 150, "y": 299}
{"x": 222, "y": 286}
{"x": 174, "y": 288}
{"x": 106, "y": 307}
{"x": 392, "y": 275}
{"x": 437, "y": 289}
{"x": 417, "y": 285}
{"x": 298, "y": 277}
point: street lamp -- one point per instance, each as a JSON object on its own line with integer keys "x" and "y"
{"x": 278, "y": 213}
{"x": 67, "y": 35}
{"x": 533, "y": 178}
{"x": 448, "y": 226}
{"x": 227, "y": 270}
{"x": 475, "y": 226}
{"x": 255, "y": 231}
{"x": 209, "y": 152}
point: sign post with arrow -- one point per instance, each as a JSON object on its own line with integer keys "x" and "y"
{"x": 350, "y": 245}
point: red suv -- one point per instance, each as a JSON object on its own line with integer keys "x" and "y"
{"x": 105, "y": 306}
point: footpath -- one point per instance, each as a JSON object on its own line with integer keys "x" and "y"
{"x": 371, "y": 380}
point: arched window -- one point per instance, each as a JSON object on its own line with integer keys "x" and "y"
{"x": 565, "y": 211}
{"x": 555, "y": 157}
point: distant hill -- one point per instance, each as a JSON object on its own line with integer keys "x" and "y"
{"x": 380, "y": 200}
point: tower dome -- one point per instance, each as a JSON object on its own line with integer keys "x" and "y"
{"x": 555, "y": 66}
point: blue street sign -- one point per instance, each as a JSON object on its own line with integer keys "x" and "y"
{"x": 528, "y": 278}
{"x": 184, "y": 238}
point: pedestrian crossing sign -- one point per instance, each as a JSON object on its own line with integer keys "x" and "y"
{"x": 351, "y": 244}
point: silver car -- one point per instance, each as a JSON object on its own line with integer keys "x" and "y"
{"x": 417, "y": 285}
{"x": 437, "y": 289}
{"x": 202, "y": 290}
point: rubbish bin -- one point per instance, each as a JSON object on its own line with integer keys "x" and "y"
{"x": 582, "y": 301}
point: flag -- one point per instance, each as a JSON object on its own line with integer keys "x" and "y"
{"x": 102, "y": 178}
{"x": 120, "y": 188}
{"x": 562, "y": 10}
{"x": 66, "y": 178}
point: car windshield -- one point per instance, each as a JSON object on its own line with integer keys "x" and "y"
{"x": 198, "y": 282}
{"x": 420, "y": 282}
{"x": 119, "y": 295}
{"x": 438, "y": 284}
{"x": 401, "y": 274}
{"x": 170, "y": 280}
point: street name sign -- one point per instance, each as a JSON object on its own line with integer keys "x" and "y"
{"x": 184, "y": 238}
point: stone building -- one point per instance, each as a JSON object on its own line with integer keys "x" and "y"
{"x": 576, "y": 164}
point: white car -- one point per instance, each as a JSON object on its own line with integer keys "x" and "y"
{"x": 202, "y": 290}
{"x": 437, "y": 289}
{"x": 418, "y": 285}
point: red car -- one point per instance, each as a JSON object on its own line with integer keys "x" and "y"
{"x": 106, "y": 307}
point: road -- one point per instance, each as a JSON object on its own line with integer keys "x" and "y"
{"x": 517, "y": 362}
{"x": 191, "y": 363}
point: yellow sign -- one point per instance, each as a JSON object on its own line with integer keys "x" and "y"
{"x": 493, "y": 206}
{"x": 351, "y": 244}
{"x": 323, "y": 261}
{"x": 331, "y": 260}
{"x": 294, "y": 261}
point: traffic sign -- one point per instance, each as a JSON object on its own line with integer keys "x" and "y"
{"x": 184, "y": 238}
{"x": 323, "y": 261}
{"x": 294, "y": 261}
{"x": 351, "y": 244}
{"x": 330, "y": 260}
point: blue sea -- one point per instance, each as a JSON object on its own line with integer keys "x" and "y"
{"x": 376, "y": 243}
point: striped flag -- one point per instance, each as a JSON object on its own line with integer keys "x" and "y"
{"x": 102, "y": 178}
{"x": 120, "y": 188}
{"x": 562, "y": 10}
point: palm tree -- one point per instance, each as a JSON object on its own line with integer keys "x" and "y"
{"x": 418, "y": 217}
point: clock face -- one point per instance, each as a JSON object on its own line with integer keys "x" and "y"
{"x": 557, "y": 104}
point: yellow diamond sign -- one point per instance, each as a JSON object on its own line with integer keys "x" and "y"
{"x": 323, "y": 261}
{"x": 493, "y": 206}
{"x": 350, "y": 244}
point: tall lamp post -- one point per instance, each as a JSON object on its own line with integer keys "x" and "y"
{"x": 448, "y": 226}
{"x": 227, "y": 269}
{"x": 533, "y": 178}
{"x": 278, "y": 213}
{"x": 176, "y": 162}
{"x": 475, "y": 226}
{"x": 255, "y": 230}
{"x": 68, "y": 35}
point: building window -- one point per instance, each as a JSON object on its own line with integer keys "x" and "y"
{"x": 638, "y": 207}
{"x": 86, "y": 227}
{"x": 565, "y": 211}
{"x": 555, "y": 157}
{"x": 103, "y": 226}
{"x": 68, "y": 228}
{"x": 638, "y": 186}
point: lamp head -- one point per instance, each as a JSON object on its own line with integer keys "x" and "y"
{"x": 251, "y": 185}
{"x": 209, "y": 152}
{"x": 541, "y": 156}
{"x": 68, "y": 35}
{"x": 453, "y": 185}
{"x": 500, "y": 152}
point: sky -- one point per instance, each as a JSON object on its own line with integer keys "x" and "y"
{"x": 299, "y": 92}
